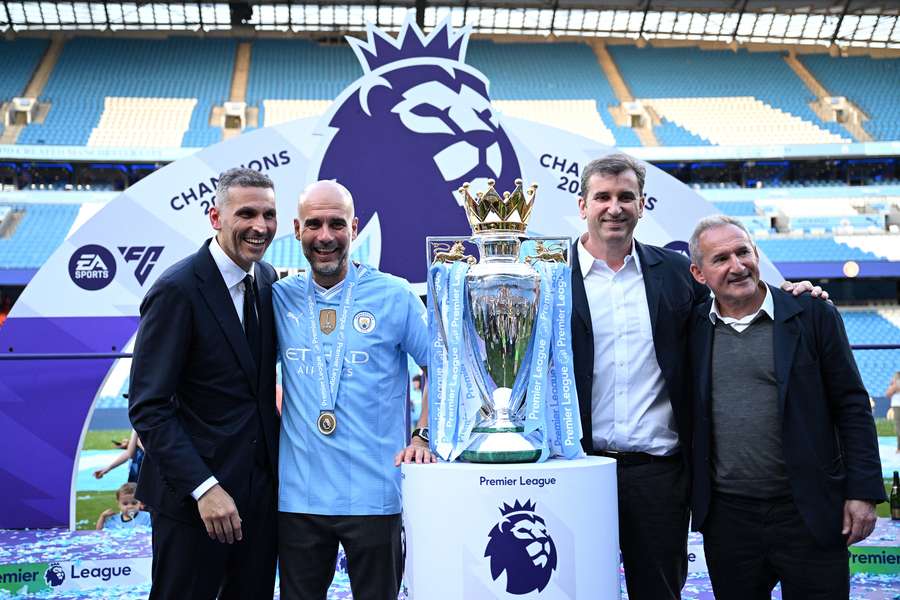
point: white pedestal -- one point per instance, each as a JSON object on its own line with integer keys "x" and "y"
{"x": 559, "y": 540}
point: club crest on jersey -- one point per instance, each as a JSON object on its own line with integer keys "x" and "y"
{"x": 364, "y": 322}
{"x": 327, "y": 320}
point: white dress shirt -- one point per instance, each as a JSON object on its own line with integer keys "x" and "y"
{"x": 630, "y": 407}
{"x": 739, "y": 325}
{"x": 233, "y": 276}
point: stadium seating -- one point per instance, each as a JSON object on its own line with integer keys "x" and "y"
{"x": 877, "y": 367}
{"x": 872, "y": 84}
{"x": 172, "y": 68}
{"x": 576, "y": 116}
{"x": 740, "y": 121}
{"x": 274, "y": 112}
{"x": 562, "y": 71}
{"x": 818, "y": 249}
{"x": 40, "y": 232}
{"x": 736, "y": 209}
{"x": 143, "y": 122}
{"x": 655, "y": 74}
{"x": 19, "y": 60}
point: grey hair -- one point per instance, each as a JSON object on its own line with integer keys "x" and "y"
{"x": 240, "y": 177}
{"x": 712, "y": 222}
{"x": 614, "y": 164}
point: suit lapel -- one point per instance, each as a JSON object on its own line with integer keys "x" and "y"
{"x": 786, "y": 335}
{"x": 579, "y": 296}
{"x": 265, "y": 311}
{"x": 212, "y": 288}
{"x": 653, "y": 283}
{"x": 703, "y": 355}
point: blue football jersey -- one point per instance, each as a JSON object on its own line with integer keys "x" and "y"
{"x": 351, "y": 471}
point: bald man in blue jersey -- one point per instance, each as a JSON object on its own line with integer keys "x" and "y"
{"x": 344, "y": 332}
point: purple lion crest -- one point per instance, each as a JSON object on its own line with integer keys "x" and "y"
{"x": 408, "y": 133}
{"x": 54, "y": 575}
{"x": 520, "y": 545}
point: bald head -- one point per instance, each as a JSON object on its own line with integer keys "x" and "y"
{"x": 325, "y": 226}
{"x": 327, "y": 191}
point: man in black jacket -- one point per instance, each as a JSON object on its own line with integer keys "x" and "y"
{"x": 786, "y": 465}
{"x": 632, "y": 304}
{"x": 202, "y": 401}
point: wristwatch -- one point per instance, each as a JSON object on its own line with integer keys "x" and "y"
{"x": 421, "y": 432}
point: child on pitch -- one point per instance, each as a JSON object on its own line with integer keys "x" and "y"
{"x": 130, "y": 514}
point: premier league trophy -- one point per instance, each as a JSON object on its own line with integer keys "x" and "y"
{"x": 501, "y": 387}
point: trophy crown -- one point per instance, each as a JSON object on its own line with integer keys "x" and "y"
{"x": 488, "y": 211}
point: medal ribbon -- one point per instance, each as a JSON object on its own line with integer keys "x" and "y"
{"x": 330, "y": 382}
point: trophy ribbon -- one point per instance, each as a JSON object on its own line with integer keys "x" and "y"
{"x": 540, "y": 359}
{"x": 329, "y": 383}
{"x": 448, "y": 415}
{"x": 566, "y": 416}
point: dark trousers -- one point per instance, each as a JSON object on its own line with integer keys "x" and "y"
{"x": 307, "y": 553}
{"x": 653, "y": 528}
{"x": 751, "y": 544}
{"x": 188, "y": 564}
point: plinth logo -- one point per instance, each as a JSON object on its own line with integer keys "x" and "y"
{"x": 92, "y": 267}
{"x": 54, "y": 575}
{"x": 421, "y": 116}
{"x": 520, "y": 545}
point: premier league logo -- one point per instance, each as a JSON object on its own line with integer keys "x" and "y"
{"x": 520, "y": 545}
{"x": 409, "y": 132}
{"x": 54, "y": 575}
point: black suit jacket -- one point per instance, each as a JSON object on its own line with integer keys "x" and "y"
{"x": 196, "y": 399}
{"x": 672, "y": 293}
{"x": 828, "y": 434}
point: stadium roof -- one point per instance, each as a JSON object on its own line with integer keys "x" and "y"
{"x": 863, "y": 23}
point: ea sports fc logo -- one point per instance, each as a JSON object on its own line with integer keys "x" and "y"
{"x": 92, "y": 267}
{"x": 520, "y": 545}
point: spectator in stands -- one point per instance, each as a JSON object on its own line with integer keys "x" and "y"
{"x": 130, "y": 514}
{"x": 631, "y": 371}
{"x": 133, "y": 451}
{"x": 415, "y": 398}
{"x": 893, "y": 392}
{"x": 785, "y": 455}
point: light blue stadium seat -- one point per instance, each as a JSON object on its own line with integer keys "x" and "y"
{"x": 40, "y": 232}
{"x": 812, "y": 250}
{"x": 832, "y": 223}
{"x": 872, "y": 84}
{"x": 19, "y": 60}
{"x": 696, "y": 73}
{"x": 876, "y": 368}
{"x": 91, "y": 69}
{"x": 559, "y": 71}
{"x": 736, "y": 209}
{"x": 299, "y": 70}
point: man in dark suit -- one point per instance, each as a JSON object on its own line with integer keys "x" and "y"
{"x": 632, "y": 304}
{"x": 786, "y": 465}
{"x": 202, "y": 401}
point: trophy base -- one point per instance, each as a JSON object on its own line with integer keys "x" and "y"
{"x": 500, "y": 445}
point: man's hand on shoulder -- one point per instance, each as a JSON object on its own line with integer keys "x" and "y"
{"x": 859, "y": 520}
{"x": 220, "y": 515}
{"x": 417, "y": 452}
{"x": 801, "y": 287}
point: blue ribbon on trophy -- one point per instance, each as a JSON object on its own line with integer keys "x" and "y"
{"x": 501, "y": 366}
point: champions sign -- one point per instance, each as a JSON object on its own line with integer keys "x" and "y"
{"x": 402, "y": 137}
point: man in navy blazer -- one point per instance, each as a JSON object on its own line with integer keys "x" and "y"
{"x": 786, "y": 465}
{"x": 202, "y": 401}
